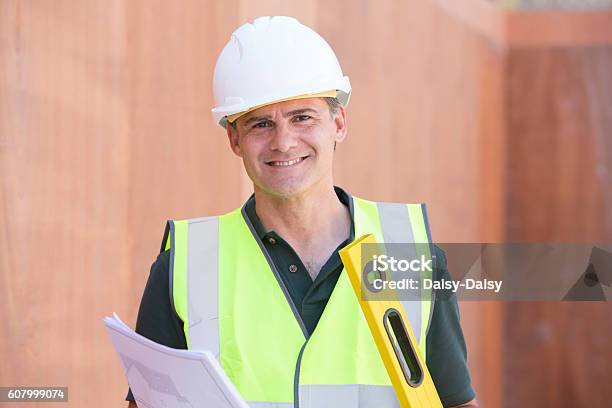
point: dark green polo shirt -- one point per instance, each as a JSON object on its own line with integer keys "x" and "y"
{"x": 446, "y": 351}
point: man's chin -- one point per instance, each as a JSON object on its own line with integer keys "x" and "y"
{"x": 285, "y": 190}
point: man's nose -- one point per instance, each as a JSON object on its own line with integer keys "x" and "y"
{"x": 283, "y": 139}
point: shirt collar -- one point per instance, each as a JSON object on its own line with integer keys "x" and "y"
{"x": 249, "y": 209}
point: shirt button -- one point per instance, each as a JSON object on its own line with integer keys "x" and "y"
{"x": 293, "y": 268}
{"x": 272, "y": 240}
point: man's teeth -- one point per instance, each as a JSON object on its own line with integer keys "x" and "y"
{"x": 287, "y": 163}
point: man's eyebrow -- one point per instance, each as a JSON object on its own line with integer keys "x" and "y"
{"x": 300, "y": 112}
{"x": 256, "y": 119}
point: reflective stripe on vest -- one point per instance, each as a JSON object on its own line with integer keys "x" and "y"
{"x": 265, "y": 358}
{"x": 349, "y": 395}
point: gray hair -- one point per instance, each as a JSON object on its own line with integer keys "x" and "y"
{"x": 334, "y": 105}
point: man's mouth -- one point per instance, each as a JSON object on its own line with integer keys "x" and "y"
{"x": 286, "y": 163}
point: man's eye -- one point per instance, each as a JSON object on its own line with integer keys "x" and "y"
{"x": 262, "y": 124}
{"x": 301, "y": 118}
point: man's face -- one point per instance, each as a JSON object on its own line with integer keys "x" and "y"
{"x": 287, "y": 147}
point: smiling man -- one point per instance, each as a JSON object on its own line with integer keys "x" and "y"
{"x": 263, "y": 286}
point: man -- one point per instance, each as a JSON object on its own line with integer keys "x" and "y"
{"x": 263, "y": 287}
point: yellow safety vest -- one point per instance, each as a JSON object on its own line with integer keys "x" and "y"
{"x": 232, "y": 301}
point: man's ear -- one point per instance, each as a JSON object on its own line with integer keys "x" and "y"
{"x": 340, "y": 124}
{"x": 232, "y": 136}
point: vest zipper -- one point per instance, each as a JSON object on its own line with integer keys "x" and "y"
{"x": 296, "y": 379}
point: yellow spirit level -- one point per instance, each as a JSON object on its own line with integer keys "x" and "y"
{"x": 392, "y": 334}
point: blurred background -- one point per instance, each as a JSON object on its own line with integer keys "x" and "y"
{"x": 497, "y": 114}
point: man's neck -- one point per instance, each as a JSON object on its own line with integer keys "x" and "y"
{"x": 314, "y": 223}
{"x": 305, "y": 215}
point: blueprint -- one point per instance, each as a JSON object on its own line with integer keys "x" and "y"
{"x": 162, "y": 377}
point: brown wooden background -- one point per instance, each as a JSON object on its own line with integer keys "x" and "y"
{"x": 500, "y": 120}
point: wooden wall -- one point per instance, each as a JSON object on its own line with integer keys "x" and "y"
{"x": 500, "y": 121}
{"x": 560, "y": 159}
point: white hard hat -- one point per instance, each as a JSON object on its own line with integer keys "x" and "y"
{"x": 273, "y": 59}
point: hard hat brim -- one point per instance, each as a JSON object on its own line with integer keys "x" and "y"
{"x": 341, "y": 86}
